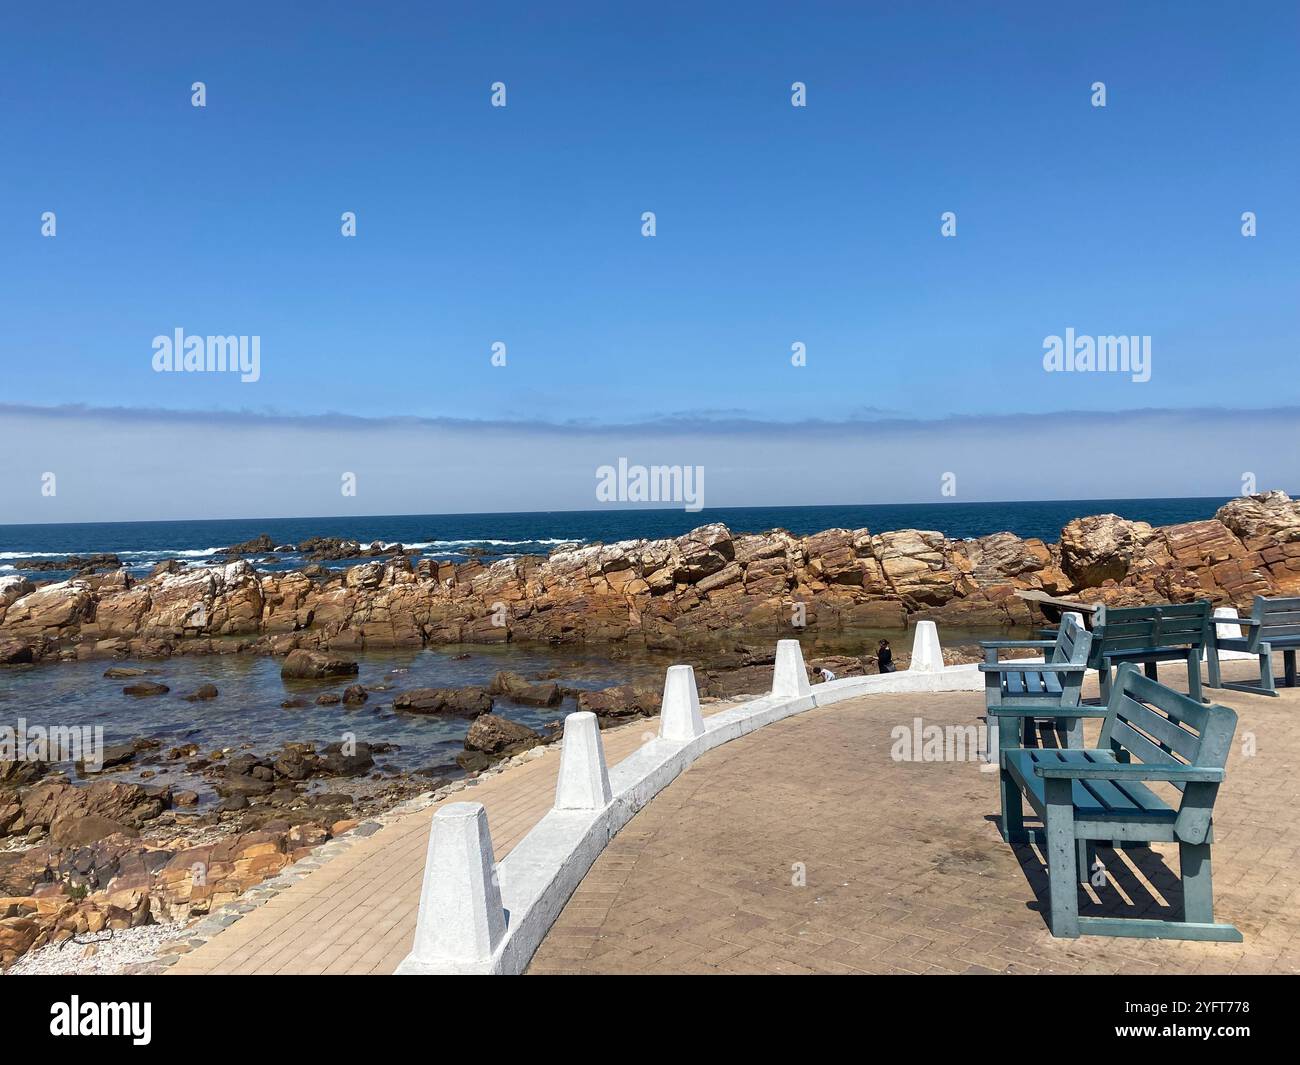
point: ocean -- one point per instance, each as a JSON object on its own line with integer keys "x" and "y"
{"x": 142, "y": 544}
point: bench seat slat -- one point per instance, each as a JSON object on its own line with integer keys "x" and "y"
{"x": 1094, "y": 800}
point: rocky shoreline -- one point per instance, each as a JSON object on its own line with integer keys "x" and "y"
{"x": 702, "y": 589}
{"x": 84, "y": 851}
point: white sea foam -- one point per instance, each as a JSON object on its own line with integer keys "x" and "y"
{"x": 501, "y": 543}
{"x": 167, "y": 552}
{"x": 143, "y": 558}
{"x": 156, "y": 552}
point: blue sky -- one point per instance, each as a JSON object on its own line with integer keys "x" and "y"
{"x": 775, "y": 224}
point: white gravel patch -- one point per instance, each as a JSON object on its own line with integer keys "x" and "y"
{"x": 98, "y": 953}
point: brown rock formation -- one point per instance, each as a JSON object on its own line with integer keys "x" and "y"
{"x": 496, "y": 735}
{"x": 704, "y": 588}
{"x": 457, "y": 702}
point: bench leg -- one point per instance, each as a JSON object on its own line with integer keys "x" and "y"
{"x": 1013, "y": 811}
{"x": 1074, "y": 733}
{"x": 1288, "y": 661}
{"x": 1266, "y": 670}
{"x": 1212, "y": 666}
{"x": 992, "y": 740}
{"x": 1194, "y": 675}
{"x": 1087, "y": 853}
{"x": 1103, "y": 679}
{"x": 1151, "y": 669}
{"x": 1198, "y": 891}
{"x": 1062, "y": 860}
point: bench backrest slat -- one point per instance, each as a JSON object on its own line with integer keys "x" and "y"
{"x": 1172, "y": 737}
{"x": 1159, "y": 726}
{"x": 1064, "y": 641}
{"x": 1276, "y": 617}
{"x": 1134, "y": 628}
{"x": 1072, "y": 645}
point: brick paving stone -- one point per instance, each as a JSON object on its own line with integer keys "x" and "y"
{"x": 905, "y": 871}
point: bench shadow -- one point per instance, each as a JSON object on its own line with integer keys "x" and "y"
{"x": 1122, "y": 895}
{"x": 1039, "y": 733}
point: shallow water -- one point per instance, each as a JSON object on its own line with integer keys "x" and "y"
{"x": 248, "y": 711}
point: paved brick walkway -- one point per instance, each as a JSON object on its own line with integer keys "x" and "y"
{"x": 356, "y": 914}
{"x": 905, "y": 871}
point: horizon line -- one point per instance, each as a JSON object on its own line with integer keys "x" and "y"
{"x": 698, "y": 421}
{"x": 631, "y": 510}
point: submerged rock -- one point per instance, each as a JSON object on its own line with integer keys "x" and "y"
{"x": 520, "y": 690}
{"x": 458, "y": 702}
{"x": 316, "y": 665}
{"x": 146, "y": 687}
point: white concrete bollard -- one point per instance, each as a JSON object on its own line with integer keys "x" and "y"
{"x": 461, "y": 920}
{"x": 583, "y": 783}
{"x": 1227, "y": 632}
{"x": 927, "y": 656}
{"x": 679, "y": 713}
{"x": 789, "y": 676}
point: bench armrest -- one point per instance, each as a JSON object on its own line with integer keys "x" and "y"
{"x": 1120, "y": 771}
{"x": 1017, "y": 643}
{"x": 1023, "y": 666}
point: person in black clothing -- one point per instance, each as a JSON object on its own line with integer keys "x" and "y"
{"x": 885, "y": 658}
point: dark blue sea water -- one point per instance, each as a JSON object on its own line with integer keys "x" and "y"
{"x": 142, "y": 544}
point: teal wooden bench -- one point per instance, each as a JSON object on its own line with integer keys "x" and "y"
{"x": 1020, "y": 696}
{"x": 1273, "y": 625}
{"x": 1161, "y": 632}
{"x": 1151, "y": 733}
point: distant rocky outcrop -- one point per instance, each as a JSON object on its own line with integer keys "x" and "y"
{"x": 314, "y": 548}
{"x": 706, "y": 588}
{"x": 75, "y": 563}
